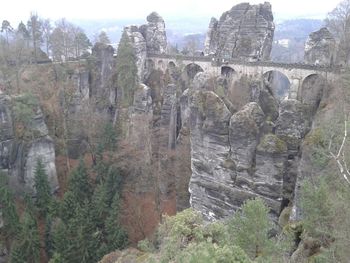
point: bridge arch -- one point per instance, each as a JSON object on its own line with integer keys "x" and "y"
{"x": 227, "y": 71}
{"x": 171, "y": 65}
{"x": 278, "y": 83}
{"x": 311, "y": 90}
{"x": 192, "y": 69}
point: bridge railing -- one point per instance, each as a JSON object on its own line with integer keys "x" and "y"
{"x": 222, "y": 62}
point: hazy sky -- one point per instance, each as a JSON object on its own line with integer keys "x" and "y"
{"x": 16, "y": 10}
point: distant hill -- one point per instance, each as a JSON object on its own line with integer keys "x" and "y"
{"x": 297, "y": 28}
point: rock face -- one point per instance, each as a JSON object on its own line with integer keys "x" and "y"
{"x": 244, "y": 32}
{"x": 19, "y": 155}
{"x": 239, "y": 155}
{"x": 102, "y": 86}
{"x": 320, "y": 48}
{"x": 154, "y": 34}
{"x": 148, "y": 38}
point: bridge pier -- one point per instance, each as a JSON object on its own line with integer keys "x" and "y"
{"x": 294, "y": 88}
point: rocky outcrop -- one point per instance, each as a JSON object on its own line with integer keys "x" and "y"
{"x": 320, "y": 48}
{"x": 140, "y": 47}
{"x": 244, "y": 32}
{"x": 253, "y": 151}
{"x": 210, "y": 180}
{"x": 148, "y": 38}
{"x": 154, "y": 34}
{"x": 102, "y": 85}
{"x": 21, "y": 149}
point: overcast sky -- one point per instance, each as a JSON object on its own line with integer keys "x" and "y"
{"x": 16, "y": 10}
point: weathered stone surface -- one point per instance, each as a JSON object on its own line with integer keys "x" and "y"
{"x": 320, "y": 48}
{"x": 201, "y": 81}
{"x": 148, "y": 38}
{"x": 293, "y": 123}
{"x": 102, "y": 85}
{"x": 209, "y": 150}
{"x": 43, "y": 149}
{"x": 19, "y": 157}
{"x": 142, "y": 99}
{"x": 154, "y": 34}
{"x": 183, "y": 154}
{"x": 244, "y": 32}
{"x": 140, "y": 47}
{"x": 168, "y": 115}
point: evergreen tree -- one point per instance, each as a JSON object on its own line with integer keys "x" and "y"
{"x": 79, "y": 183}
{"x": 250, "y": 228}
{"x": 61, "y": 242}
{"x": 27, "y": 246}
{"x": 68, "y": 206}
{"x": 126, "y": 69}
{"x": 100, "y": 206}
{"x": 42, "y": 188}
{"x": 116, "y": 235}
{"x": 16, "y": 255}
{"x": 9, "y": 213}
{"x": 56, "y": 258}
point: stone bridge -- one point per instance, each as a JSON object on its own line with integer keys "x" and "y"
{"x": 296, "y": 73}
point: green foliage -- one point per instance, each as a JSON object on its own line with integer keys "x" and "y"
{"x": 42, "y": 188}
{"x": 249, "y": 228}
{"x": 126, "y": 69}
{"x": 56, "y": 258}
{"x": 146, "y": 245}
{"x": 23, "y": 108}
{"x": 317, "y": 209}
{"x": 27, "y": 247}
{"x": 211, "y": 252}
{"x": 177, "y": 231}
{"x": 116, "y": 235}
{"x": 9, "y": 212}
{"x": 108, "y": 137}
{"x": 79, "y": 183}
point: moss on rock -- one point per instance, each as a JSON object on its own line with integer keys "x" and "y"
{"x": 270, "y": 143}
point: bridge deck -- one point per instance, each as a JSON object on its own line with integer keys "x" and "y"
{"x": 223, "y": 62}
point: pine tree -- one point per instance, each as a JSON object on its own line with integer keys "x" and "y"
{"x": 61, "y": 242}
{"x": 250, "y": 228}
{"x": 116, "y": 235}
{"x": 126, "y": 69}
{"x": 68, "y": 206}
{"x": 79, "y": 183}
{"x": 42, "y": 188}
{"x": 16, "y": 255}
{"x": 56, "y": 258}
{"x": 9, "y": 212}
{"x": 27, "y": 247}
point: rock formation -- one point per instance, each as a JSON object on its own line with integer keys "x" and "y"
{"x": 320, "y": 48}
{"x": 148, "y": 38}
{"x": 244, "y": 32}
{"x": 19, "y": 150}
{"x": 252, "y": 152}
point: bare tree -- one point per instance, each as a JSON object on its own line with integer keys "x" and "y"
{"x": 338, "y": 22}
{"x": 47, "y": 28}
{"x": 339, "y": 157}
{"x": 35, "y": 30}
